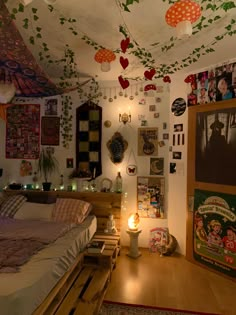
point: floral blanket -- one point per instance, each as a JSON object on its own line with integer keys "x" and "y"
{"x": 20, "y": 239}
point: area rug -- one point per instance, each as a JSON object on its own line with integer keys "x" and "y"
{"x": 112, "y": 308}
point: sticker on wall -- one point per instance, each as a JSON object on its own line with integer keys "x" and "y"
{"x": 158, "y": 100}
{"x": 165, "y": 136}
{"x": 156, "y": 166}
{"x": 142, "y": 101}
{"x": 156, "y": 115}
{"x": 164, "y": 126}
{"x": 178, "y": 107}
{"x": 161, "y": 143}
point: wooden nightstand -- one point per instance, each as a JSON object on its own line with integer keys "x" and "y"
{"x": 109, "y": 255}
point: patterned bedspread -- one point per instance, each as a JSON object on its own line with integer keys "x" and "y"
{"x": 20, "y": 239}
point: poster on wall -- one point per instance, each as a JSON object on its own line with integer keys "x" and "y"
{"x": 214, "y": 232}
{"x": 150, "y": 196}
{"x": 215, "y": 84}
{"x": 216, "y": 146}
{"x": 147, "y": 141}
{"x": 50, "y": 130}
{"x": 23, "y": 131}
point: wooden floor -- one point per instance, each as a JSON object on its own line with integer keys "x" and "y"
{"x": 170, "y": 282}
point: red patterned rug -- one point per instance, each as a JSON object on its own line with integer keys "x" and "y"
{"x": 112, "y": 308}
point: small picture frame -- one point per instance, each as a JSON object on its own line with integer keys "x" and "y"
{"x": 177, "y": 155}
{"x": 165, "y": 136}
{"x": 178, "y": 127}
{"x": 152, "y": 108}
{"x": 69, "y": 163}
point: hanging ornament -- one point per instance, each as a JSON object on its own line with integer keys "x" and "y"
{"x": 166, "y": 79}
{"x": 149, "y": 89}
{"x": 120, "y": 93}
{"x": 181, "y": 15}
{"x": 141, "y": 88}
{"x": 115, "y": 96}
{"x": 136, "y": 92}
{"x": 124, "y": 44}
{"x": 131, "y": 94}
{"x": 124, "y": 62}
{"x": 123, "y": 82}
{"x": 110, "y": 98}
{"x": 131, "y": 168}
{"x": 105, "y": 57}
{"x": 149, "y": 74}
{"x": 105, "y": 96}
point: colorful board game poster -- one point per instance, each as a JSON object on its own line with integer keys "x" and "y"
{"x": 23, "y": 131}
{"x": 214, "y": 232}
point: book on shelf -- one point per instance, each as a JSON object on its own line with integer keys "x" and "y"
{"x": 96, "y": 247}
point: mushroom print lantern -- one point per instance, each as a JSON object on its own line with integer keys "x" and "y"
{"x": 105, "y": 57}
{"x": 181, "y": 15}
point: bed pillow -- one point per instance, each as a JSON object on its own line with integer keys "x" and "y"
{"x": 11, "y": 205}
{"x": 71, "y": 210}
{"x": 35, "y": 211}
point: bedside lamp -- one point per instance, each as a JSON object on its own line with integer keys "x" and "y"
{"x": 133, "y": 231}
{"x": 133, "y": 222}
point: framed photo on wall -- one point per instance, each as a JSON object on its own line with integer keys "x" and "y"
{"x": 150, "y": 196}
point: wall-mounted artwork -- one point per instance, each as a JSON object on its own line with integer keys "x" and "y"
{"x": 216, "y": 146}
{"x": 117, "y": 146}
{"x": 50, "y": 134}
{"x": 150, "y": 196}
{"x": 178, "y": 107}
{"x": 156, "y": 166}
{"x": 23, "y": 131}
{"x": 147, "y": 141}
{"x": 214, "y": 231}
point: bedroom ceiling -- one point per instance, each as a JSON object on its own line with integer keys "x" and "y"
{"x": 98, "y": 22}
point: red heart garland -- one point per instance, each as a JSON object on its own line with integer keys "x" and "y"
{"x": 149, "y": 74}
{"x": 166, "y": 79}
{"x": 124, "y": 44}
{"x": 123, "y": 82}
{"x": 124, "y": 62}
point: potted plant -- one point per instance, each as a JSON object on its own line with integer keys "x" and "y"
{"x": 47, "y": 165}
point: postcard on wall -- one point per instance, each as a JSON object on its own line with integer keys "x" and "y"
{"x": 214, "y": 230}
{"x": 150, "y": 195}
{"x": 147, "y": 141}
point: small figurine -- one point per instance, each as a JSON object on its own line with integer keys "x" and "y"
{"x": 111, "y": 227}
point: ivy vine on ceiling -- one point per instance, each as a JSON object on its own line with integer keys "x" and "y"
{"x": 211, "y": 13}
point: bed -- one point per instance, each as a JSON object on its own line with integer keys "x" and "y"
{"x": 43, "y": 281}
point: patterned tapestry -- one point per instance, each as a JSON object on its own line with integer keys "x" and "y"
{"x": 23, "y": 131}
{"x": 17, "y": 64}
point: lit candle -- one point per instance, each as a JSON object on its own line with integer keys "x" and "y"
{"x": 94, "y": 172}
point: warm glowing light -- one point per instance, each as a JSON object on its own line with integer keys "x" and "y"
{"x": 133, "y": 222}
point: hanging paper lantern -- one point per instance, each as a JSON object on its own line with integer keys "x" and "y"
{"x": 105, "y": 57}
{"x": 181, "y": 15}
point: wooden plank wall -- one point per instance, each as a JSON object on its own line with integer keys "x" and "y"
{"x": 103, "y": 203}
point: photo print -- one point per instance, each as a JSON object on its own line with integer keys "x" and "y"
{"x": 165, "y": 136}
{"x": 156, "y": 115}
{"x": 178, "y": 127}
{"x": 152, "y": 108}
{"x": 176, "y": 155}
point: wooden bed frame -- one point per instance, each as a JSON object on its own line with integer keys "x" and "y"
{"x": 74, "y": 280}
